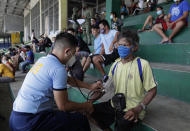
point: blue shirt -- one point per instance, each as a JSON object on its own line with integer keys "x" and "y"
{"x": 97, "y": 45}
{"x": 30, "y": 54}
{"x": 36, "y": 93}
{"x": 177, "y": 11}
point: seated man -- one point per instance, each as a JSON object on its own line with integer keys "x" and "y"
{"x": 108, "y": 40}
{"x": 33, "y": 108}
{"x": 41, "y": 46}
{"x": 140, "y": 5}
{"x": 177, "y": 19}
{"x": 47, "y": 41}
{"x": 82, "y": 49}
{"x": 97, "y": 47}
{"x": 6, "y": 75}
{"x": 137, "y": 90}
{"x": 160, "y": 19}
{"x": 29, "y": 59}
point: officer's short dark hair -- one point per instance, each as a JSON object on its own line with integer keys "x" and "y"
{"x": 130, "y": 35}
{"x": 105, "y": 23}
{"x": 65, "y": 39}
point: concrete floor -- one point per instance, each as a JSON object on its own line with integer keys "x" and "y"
{"x": 5, "y": 106}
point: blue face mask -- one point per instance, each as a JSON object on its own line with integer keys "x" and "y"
{"x": 124, "y": 51}
{"x": 159, "y": 12}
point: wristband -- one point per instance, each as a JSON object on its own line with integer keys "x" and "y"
{"x": 143, "y": 106}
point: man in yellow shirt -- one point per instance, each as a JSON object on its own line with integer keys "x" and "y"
{"x": 132, "y": 77}
{"x": 6, "y": 75}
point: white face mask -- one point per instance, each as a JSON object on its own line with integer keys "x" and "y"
{"x": 4, "y": 61}
{"x": 71, "y": 61}
{"x": 159, "y": 12}
{"x": 176, "y": 0}
{"x": 111, "y": 17}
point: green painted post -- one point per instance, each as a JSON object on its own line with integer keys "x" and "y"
{"x": 21, "y": 36}
{"x": 112, "y": 5}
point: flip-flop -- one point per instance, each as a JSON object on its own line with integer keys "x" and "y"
{"x": 170, "y": 42}
{"x": 164, "y": 42}
{"x": 140, "y": 30}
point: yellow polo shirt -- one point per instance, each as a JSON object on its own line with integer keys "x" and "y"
{"x": 5, "y": 71}
{"x": 127, "y": 80}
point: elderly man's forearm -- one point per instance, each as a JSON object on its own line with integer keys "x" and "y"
{"x": 149, "y": 96}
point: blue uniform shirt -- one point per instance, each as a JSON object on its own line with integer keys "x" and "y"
{"x": 97, "y": 45}
{"x": 36, "y": 93}
{"x": 177, "y": 11}
{"x": 30, "y": 55}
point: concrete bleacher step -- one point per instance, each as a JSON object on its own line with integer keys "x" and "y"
{"x": 38, "y": 55}
{"x": 152, "y": 37}
{"x": 178, "y": 53}
{"x": 167, "y": 114}
{"x": 173, "y": 80}
{"x": 15, "y": 86}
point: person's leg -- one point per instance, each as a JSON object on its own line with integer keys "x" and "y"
{"x": 49, "y": 121}
{"x": 98, "y": 61}
{"x": 84, "y": 59}
{"x": 103, "y": 115}
{"x": 159, "y": 29}
{"x": 63, "y": 121}
{"x": 88, "y": 35}
{"x": 81, "y": 54}
{"x": 23, "y": 65}
{"x": 178, "y": 27}
{"x": 6, "y": 79}
{"x": 87, "y": 64}
{"x": 149, "y": 21}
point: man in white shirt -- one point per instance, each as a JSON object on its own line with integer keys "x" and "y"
{"x": 108, "y": 40}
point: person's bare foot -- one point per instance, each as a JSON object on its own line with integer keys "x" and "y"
{"x": 165, "y": 40}
{"x": 170, "y": 41}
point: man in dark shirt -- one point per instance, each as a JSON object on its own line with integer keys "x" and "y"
{"x": 82, "y": 49}
{"x": 47, "y": 41}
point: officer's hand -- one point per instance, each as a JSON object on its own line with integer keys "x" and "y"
{"x": 71, "y": 81}
{"x": 133, "y": 114}
{"x": 89, "y": 107}
{"x": 96, "y": 85}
